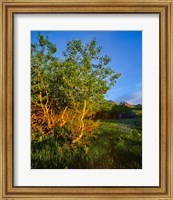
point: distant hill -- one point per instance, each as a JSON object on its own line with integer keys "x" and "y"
{"x": 138, "y": 106}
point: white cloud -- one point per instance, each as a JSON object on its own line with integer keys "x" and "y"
{"x": 135, "y": 98}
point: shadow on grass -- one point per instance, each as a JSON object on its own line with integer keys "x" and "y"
{"x": 134, "y": 123}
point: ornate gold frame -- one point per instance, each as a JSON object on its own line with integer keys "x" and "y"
{"x": 10, "y": 7}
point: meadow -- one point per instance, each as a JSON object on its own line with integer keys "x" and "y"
{"x": 115, "y": 144}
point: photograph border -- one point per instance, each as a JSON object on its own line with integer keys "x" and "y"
{"x": 11, "y": 7}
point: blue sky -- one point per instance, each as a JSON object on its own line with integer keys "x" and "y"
{"x": 125, "y": 50}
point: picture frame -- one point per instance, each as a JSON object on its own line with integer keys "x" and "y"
{"x": 8, "y": 9}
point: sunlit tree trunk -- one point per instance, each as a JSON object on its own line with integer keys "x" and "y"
{"x": 81, "y": 128}
{"x": 62, "y": 119}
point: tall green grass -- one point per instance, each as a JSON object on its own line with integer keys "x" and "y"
{"x": 114, "y": 146}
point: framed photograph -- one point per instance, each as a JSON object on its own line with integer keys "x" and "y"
{"x": 86, "y": 99}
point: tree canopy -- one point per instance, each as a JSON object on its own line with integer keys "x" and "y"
{"x": 67, "y": 90}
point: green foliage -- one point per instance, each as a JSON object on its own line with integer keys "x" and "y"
{"x": 85, "y": 75}
{"x": 42, "y": 61}
{"x": 80, "y": 74}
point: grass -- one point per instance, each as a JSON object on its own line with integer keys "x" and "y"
{"x": 115, "y": 145}
{"x": 133, "y": 123}
{"x": 138, "y": 112}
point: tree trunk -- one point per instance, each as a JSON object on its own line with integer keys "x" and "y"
{"x": 81, "y": 128}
